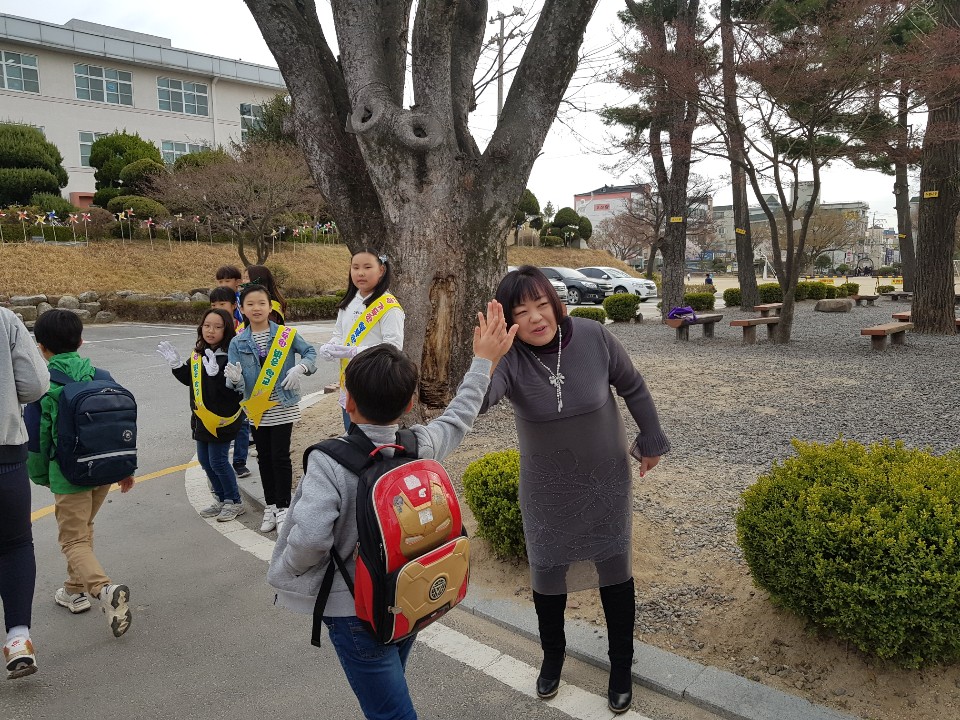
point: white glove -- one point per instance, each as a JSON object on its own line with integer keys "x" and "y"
{"x": 291, "y": 381}
{"x": 331, "y": 351}
{"x": 210, "y": 363}
{"x": 170, "y": 354}
{"x": 233, "y": 373}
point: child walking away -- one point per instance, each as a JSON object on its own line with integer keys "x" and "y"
{"x": 79, "y": 461}
{"x": 261, "y": 275}
{"x": 223, "y": 298}
{"x": 23, "y": 379}
{"x": 380, "y": 384}
{"x": 263, "y": 368}
{"x": 216, "y": 416}
{"x": 368, "y": 315}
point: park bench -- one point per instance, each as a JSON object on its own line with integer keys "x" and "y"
{"x": 682, "y": 325}
{"x": 894, "y": 296}
{"x": 750, "y": 327}
{"x": 896, "y": 331}
{"x": 767, "y": 308}
{"x": 860, "y": 299}
{"x": 905, "y": 317}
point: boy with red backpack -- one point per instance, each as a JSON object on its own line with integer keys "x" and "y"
{"x": 315, "y": 551}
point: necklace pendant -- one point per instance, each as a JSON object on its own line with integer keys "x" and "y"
{"x": 559, "y": 404}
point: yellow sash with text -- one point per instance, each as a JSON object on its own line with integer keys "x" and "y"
{"x": 259, "y": 401}
{"x": 211, "y": 421}
{"x": 364, "y": 324}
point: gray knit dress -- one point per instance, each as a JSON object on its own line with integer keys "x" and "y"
{"x": 575, "y": 486}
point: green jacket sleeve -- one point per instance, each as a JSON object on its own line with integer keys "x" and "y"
{"x": 38, "y": 463}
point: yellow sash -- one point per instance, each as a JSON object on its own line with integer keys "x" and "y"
{"x": 259, "y": 401}
{"x": 364, "y": 324}
{"x": 275, "y": 307}
{"x": 211, "y": 421}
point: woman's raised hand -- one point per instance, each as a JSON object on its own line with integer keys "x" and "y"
{"x": 491, "y": 338}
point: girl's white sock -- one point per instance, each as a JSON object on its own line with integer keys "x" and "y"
{"x": 18, "y": 631}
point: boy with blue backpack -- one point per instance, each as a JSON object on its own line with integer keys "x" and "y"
{"x": 82, "y": 439}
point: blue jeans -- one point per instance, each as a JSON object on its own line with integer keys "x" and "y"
{"x": 241, "y": 445}
{"x": 215, "y": 460}
{"x": 374, "y": 670}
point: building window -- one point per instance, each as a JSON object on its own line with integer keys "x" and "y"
{"x": 103, "y": 84}
{"x": 172, "y": 150}
{"x": 86, "y": 141}
{"x": 19, "y": 72}
{"x": 251, "y": 118}
{"x": 182, "y": 97}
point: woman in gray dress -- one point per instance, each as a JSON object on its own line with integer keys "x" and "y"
{"x": 575, "y": 486}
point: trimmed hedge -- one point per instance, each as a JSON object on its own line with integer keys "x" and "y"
{"x": 770, "y": 293}
{"x": 732, "y": 297}
{"x": 312, "y": 308}
{"x": 104, "y": 195}
{"x": 851, "y": 288}
{"x": 593, "y": 313}
{"x": 143, "y": 207}
{"x": 490, "y": 487}
{"x": 323, "y": 307}
{"x": 862, "y": 541}
{"x": 802, "y": 291}
{"x": 53, "y": 202}
{"x": 551, "y": 241}
{"x": 817, "y": 291}
{"x": 17, "y": 185}
{"x": 622, "y": 307}
{"x": 885, "y": 288}
{"x": 700, "y": 301}
{"x": 831, "y": 291}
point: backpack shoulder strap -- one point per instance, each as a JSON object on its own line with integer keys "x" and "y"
{"x": 318, "y": 607}
{"x": 352, "y": 451}
{"x": 60, "y": 377}
{"x": 408, "y": 441}
{"x": 99, "y": 374}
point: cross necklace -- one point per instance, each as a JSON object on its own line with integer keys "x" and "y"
{"x": 556, "y": 378}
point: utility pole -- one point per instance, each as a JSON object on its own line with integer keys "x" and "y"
{"x": 501, "y": 40}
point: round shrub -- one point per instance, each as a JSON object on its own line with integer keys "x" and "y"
{"x": 843, "y": 268}
{"x": 885, "y": 271}
{"x": 770, "y": 292}
{"x": 700, "y": 301}
{"x": 732, "y": 297}
{"x": 885, "y": 288}
{"x": 551, "y": 241}
{"x": 143, "y": 207}
{"x": 18, "y": 185}
{"x": 842, "y": 292}
{"x": 622, "y": 307}
{"x": 593, "y": 313}
{"x": 53, "y": 202}
{"x": 802, "y": 291}
{"x": 137, "y": 175}
{"x": 816, "y": 291}
{"x": 490, "y": 486}
{"x": 862, "y": 541}
{"x": 851, "y": 288}
{"x": 104, "y": 195}
{"x": 831, "y": 291}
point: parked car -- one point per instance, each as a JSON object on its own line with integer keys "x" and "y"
{"x": 557, "y": 285}
{"x": 622, "y": 282}
{"x": 580, "y": 288}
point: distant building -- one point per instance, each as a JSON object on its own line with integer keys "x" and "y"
{"x": 609, "y": 201}
{"x": 80, "y": 80}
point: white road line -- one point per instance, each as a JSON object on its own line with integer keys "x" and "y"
{"x": 571, "y": 700}
{"x": 139, "y": 337}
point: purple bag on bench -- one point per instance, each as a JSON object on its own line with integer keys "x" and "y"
{"x": 682, "y": 313}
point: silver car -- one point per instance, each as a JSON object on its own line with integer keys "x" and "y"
{"x": 622, "y": 282}
{"x": 557, "y": 285}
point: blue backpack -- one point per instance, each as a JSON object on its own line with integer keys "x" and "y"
{"x": 96, "y": 430}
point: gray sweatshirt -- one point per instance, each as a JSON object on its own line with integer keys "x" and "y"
{"x": 23, "y": 379}
{"x": 323, "y": 512}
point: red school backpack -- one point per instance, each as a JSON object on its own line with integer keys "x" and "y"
{"x": 413, "y": 554}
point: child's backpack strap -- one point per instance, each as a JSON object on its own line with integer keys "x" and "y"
{"x": 61, "y": 378}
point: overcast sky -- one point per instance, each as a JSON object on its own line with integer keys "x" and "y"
{"x": 573, "y": 158}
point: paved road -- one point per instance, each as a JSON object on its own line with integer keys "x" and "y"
{"x": 205, "y": 640}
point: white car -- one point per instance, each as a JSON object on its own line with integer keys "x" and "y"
{"x": 557, "y": 285}
{"x": 623, "y": 282}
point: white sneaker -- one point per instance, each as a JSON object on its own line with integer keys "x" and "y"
{"x": 212, "y": 510}
{"x": 113, "y": 602}
{"x": 281, "y": 518}
{"x": 230, "y": 511}
{"x": 19, "y": 657}
{"x": 269, "y": 519}
{"x": 74, "y": 602}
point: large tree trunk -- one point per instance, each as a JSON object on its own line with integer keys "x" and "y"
{"x": 735, "y": 148}
{"x": 901, "y": 192}
{"x": 413, "y": 182}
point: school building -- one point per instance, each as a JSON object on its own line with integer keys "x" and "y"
{"x": 81, "y": 80}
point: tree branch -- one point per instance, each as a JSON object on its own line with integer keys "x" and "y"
{"x": 468, "y": 32}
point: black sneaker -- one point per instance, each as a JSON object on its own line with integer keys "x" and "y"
{"x": 242, "y": 471}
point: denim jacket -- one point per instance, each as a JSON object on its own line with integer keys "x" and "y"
{"x": 244, "y": 350}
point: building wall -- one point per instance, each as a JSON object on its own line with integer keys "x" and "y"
{"x": 62, "y": 116}
{"x": 598, "y": 207}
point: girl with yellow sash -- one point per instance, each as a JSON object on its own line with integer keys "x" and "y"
{"x": 368, "y": 315}
{"x": 265, "y": 367}
{"x": 215, "y": 416}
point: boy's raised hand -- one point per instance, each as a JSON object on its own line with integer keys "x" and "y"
{"x": 491, "y": 339}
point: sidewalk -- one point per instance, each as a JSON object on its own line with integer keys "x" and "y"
{"x": 708, "y": 687}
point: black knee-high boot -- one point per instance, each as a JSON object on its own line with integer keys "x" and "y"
{"x": 553, "y": 641}
{"x": 619, "y": 608}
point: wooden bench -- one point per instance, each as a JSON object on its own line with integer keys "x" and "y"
{"x": 766, "y": 309}
{"x": 750, "y": 328}
{"x": 896, "y": 331}
{"x": 894, "y": 296}
{"x": 905, "y": 317}
{"x": 860, "y": 299}
{"x": 682, "y": 325}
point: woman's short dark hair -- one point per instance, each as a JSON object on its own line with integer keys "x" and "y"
{"x": 381, "y": 380}
{"x": 527, "y": 283}
{"x": 228, "y": 330}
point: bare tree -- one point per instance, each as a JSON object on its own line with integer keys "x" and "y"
{"x": 244, "y": 193}
{"x": 830, "y": 231}
{"x": 412, "y": 180}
